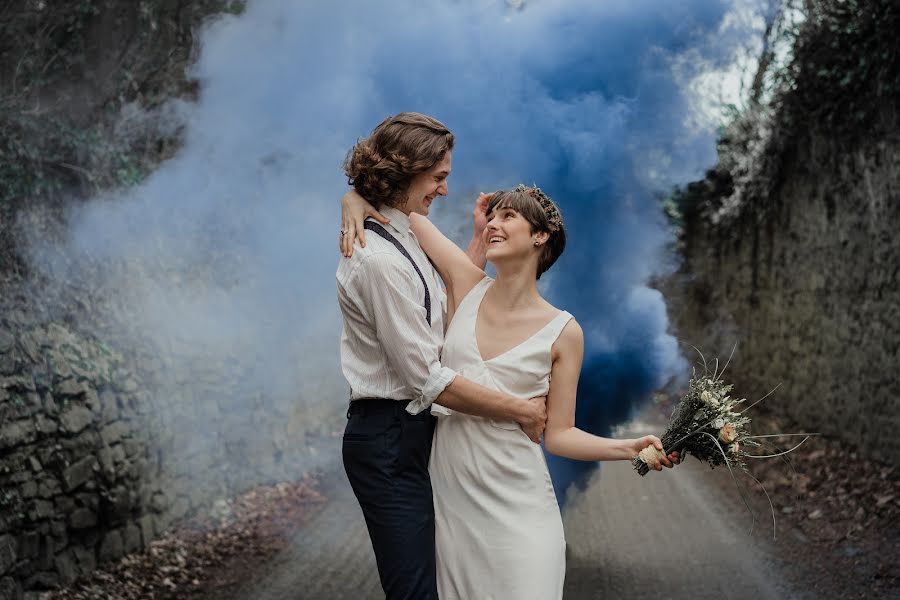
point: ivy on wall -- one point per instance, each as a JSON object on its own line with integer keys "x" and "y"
{"x": 840, "y": 83}
{"x": 845, "y": 67}
{"x": 67, "y": 69}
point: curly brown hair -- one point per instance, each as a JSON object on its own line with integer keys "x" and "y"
{"x": 543, "y": 215}
{"x": 381, "y": 166}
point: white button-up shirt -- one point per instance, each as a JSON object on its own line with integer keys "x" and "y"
{"x": 388, "y": 350}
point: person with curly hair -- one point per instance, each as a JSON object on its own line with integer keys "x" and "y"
{"x": 394, "y": 314}
{"x": 499, "y": 532}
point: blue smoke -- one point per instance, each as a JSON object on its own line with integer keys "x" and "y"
{"x": 585, "y": 98}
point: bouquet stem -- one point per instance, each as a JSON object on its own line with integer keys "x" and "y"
{"x": 647, "y": 458}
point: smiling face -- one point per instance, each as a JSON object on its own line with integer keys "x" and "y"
{"x": 509, "y": 235}
{"x": 425, "y": 187}
{"x": 519, "y": 230}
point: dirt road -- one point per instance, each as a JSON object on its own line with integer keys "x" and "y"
{"x": 671, "y": 535}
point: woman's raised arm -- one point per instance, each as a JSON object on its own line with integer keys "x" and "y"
{"x": 453, "y": 265}
{"x": 561, "y": 437}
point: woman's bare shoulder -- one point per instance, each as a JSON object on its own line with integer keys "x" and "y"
{"x": 570, "y": 340}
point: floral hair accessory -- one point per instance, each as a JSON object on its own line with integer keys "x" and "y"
{"x": 550, "y": 208}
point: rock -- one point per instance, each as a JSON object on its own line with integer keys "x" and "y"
{"x": 110, "y": 405}
{"x": 87, "y": 560}
{"x": 21, "y": 382}
{"x": 66, "y": 567}
{"x": 42, "y": 378}
{"x": 45, "y": 425}
{"x": 75, "y": 418}
{"x": 59, "y": 367}
{"x": 180, "y": 507}
{"x": 112, "y": 547}
{"x": 29, "y": 544}
{"x": 116, "y": 505}
{"x": 132, "y": 448}
{"x": 49, "y": 488}
{"x": 882, "y": 500}
{"x": 107, "y": 465}
{"x": 43, "y": 580}
{"x": 85, "y": 370}
{"x": 7, "y": 341}
{"x": 35, "y": 464}
{"x": 129, "y": 385}
{"x": 40, "y": 509}
{"x": 46, "y": 553}
{"x": 816, "y": 514}
{"x": 7, "y": 553}
{"x": 91, "y": 399}
{"x": 79, "y": 473}
{"x": 65, "y": 504}
{"x": 81, "y": 444}
{"x": 114, "y": 432}
{"x": 147, "y": 530}
{"x": 118, "y": 454}
{"x": 8, "y": 364}
{"x": 132, "y": 537}
{"x": 16, "y": 433}
{"x": 69, "y": 388}
{"x": 50, "y": 405}
{"x": 10, "y": 522}
{"x": 83, "y": 518}
{"x": 10, "y": 589}
{"x": 30, "y": 347}
{"x": 29, "y": 489}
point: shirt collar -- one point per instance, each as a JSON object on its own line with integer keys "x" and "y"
{"x": 399, "y": 220}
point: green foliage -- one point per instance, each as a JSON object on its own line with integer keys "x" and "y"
{"x": 684, "y": 202}
{"x": 845, "y": 69}
{"x": 67, "y": 68}
{"x": 838, "y": 85}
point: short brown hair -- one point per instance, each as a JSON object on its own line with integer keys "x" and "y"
{"x": 381, "y": 166}
{"x": 531, "y": 210}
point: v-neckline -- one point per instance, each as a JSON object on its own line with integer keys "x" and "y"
{"x": 508, "y": 350}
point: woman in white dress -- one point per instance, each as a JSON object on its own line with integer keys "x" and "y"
{"x": 498, "y": 529}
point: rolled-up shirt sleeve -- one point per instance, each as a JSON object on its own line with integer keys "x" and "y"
{"x": 389, "y": 291}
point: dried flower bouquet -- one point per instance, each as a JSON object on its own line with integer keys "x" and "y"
{"x": 711, "y": 425}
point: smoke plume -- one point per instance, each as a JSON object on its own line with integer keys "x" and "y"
{"x": 586, "y": 99}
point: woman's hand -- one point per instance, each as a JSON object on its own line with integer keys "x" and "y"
{"x": 479, "y": 214}
{"x": 354, "y": 211}
{"x": 477, "y": 248}
{"x": 636, "y": 445}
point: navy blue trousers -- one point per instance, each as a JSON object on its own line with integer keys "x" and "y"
{"x": 386, "y": 453}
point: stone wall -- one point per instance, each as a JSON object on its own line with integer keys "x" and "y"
{"x": 807, "y": 281}
{"x": 71, "y": 462}
{"x": 97, "y": 458}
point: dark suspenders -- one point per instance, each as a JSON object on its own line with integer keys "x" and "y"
{"x": 373, "y": 226}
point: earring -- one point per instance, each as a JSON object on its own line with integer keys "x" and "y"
{"x": 536, "y": 243}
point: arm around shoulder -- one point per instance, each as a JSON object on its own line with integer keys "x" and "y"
{"x": 452, "y": 264}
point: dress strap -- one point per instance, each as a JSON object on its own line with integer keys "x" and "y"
{"x": 555, "y": 327}
{"x": 473, "y": 297}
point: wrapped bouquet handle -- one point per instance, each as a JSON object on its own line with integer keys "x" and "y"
{"x": 649, "y": 458}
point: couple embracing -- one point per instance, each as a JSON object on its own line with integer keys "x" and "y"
{"x": 453, "y": 386}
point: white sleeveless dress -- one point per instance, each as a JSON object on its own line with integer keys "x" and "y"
{"x": 498, "y": 529}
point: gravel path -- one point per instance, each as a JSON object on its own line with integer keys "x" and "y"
{"x": 671, "y": 535}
